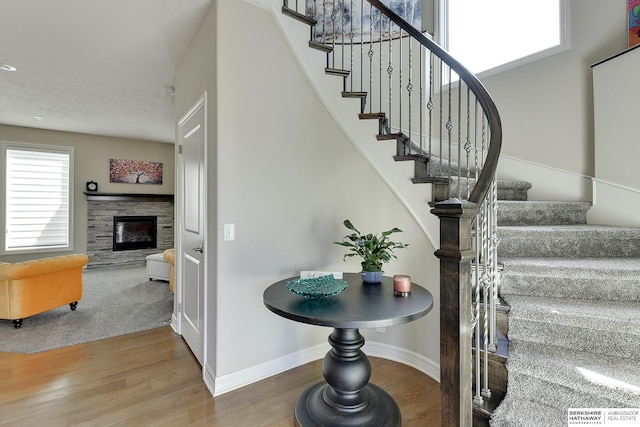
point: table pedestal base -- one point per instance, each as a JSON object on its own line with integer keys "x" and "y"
{"x": 346, "y": 399}
{"x": 313, "y": 411}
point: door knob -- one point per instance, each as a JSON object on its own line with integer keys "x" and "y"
{"x": 199, "y": 249}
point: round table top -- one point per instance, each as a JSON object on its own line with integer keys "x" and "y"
{"x": 360, "y": 305}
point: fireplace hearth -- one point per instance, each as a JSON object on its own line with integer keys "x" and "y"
{"x": 135, "y": 232}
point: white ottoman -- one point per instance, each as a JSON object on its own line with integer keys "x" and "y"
{"x": 157, "y": 267}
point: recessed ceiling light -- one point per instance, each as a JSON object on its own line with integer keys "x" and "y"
{"x": 38, "y": 118}
{"x": 7, "y": 67}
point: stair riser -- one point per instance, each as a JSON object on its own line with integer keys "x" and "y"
{"x": 512, "y": 194}
{"x": 513, "y": 190}
{"x": 533, "y": 242}
{"x": 613, "y": 344}
{"x": 542, "y": 213}
{"x": 507, "y": 190}
{"x": 563, "y": 287}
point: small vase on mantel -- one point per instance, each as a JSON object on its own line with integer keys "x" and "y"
{"x": 371, "y": 276}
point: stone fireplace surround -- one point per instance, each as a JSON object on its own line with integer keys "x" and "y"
{"x": 102, "y": 207}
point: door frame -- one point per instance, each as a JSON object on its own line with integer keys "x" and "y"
{"x": 179, "y": 205}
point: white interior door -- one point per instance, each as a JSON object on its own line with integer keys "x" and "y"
{"x": 192, "y": 232}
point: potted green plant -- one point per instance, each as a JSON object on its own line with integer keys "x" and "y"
{"x": 374, "y": 249}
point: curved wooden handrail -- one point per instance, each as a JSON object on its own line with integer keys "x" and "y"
{"x": 484, "y": 99}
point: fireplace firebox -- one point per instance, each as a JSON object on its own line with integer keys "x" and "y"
{"x": 135, "y": 232}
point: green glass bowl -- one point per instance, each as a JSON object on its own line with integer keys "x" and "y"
{"x": 317, "y": 287}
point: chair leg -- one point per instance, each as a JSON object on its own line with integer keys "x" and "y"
{"x": 73, "y": 305}
{"x": 17, "y": 323}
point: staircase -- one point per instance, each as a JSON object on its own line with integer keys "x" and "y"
{"x": 574, "y": 320}
{"x": 441, "y": 119}
{"x": 572, "y": 290}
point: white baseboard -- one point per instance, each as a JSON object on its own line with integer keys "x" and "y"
{"x": 245, "y": 377}
{"x": 209, "y": 378}
{"x": 235, "y": 380}
{"x": 406, "y": 357}
{"x": 607, "y": 200}
{"x": 549, "y": 183}
{"x": 174, "y": 324}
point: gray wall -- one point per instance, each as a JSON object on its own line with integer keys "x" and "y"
{"x": 547, "y": 105}
{"x": 282, "y": 171}
{"x": 616, "y": 153}
{"x": 616, "y": 119}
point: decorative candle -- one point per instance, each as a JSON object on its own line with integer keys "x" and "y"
{"x": 401, "y": 285}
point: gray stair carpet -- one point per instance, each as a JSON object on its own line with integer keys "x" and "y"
{"x": 610, "y": 279}
{"x": 572, "y": 241}
{"x": 574, "y": 322}
{"x": 513, "y": 190}
{"x": 513, "y": 212}
{"x": 508, "y": 190}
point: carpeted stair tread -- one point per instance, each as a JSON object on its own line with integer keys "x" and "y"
{"x": 514, "y": 412}
{"x": 609, "y": 328}
{"x": 578, "y": 339}
{"x": 615, "y": 279}
{"x": 573, "y": 379}
{"x": 545, "y": 391}
{"x": 573, "y": 241}
{"x": 574, "y": 322}
{"x": 512, "y": 212}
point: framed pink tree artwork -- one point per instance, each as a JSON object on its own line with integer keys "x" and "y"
{"x": 135, "y": 172}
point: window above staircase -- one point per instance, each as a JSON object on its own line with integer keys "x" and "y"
{"x": 503, "y": 33}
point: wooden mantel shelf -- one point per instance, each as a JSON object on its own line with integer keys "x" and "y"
{"x": 128, "y": 197}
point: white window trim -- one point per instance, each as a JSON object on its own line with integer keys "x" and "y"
{"x": 441, "y": 11}
{"x": 4, "y": 145}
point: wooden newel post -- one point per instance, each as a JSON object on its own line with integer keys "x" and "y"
{"x": 455, "y": 254}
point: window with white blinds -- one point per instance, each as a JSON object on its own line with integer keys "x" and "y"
{"x": 37, "y": 196}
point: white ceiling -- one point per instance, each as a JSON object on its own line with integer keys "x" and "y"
{"x": 102, "y": 67}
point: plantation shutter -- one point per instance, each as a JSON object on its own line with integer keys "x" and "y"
{"x": 37, "y": 197}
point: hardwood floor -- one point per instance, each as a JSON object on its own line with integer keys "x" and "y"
{"x": 151, "y": 379}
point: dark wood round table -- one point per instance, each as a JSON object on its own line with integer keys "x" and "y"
{"x": 346, "y": 398}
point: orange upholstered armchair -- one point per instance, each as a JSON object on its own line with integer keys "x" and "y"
{"x": 32, "y": 287}
{"x": 169, "y": 256}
